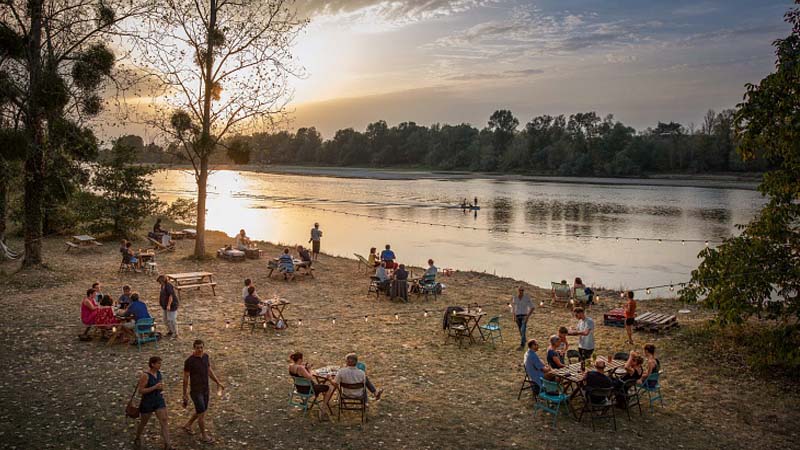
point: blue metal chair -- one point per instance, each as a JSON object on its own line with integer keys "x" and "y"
{"x": 653, "y": 389}
{"x": 305, "y": 401}
{"x": 145, "y": 331}
{"x": 361, "y": 366}
{"x": 492, "y": 329}
{"x": 550, "y": 399}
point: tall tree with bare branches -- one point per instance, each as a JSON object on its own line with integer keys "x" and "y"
{"x": 54, "y": 60}
{"x": 224, "y": 67}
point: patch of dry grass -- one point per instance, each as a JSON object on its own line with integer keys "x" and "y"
{"x": 62, "y": 393}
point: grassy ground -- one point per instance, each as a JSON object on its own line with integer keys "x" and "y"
{"x": 59, "y": 392}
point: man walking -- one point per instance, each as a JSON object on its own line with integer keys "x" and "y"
{"x": 522, "y": 308}
{"x": 585, "y": 331}
{"x": 196, "y": 370}
{"x": 169, "y": 304}
{"x": 316, "y": 235}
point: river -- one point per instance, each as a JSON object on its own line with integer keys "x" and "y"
{"x": 356, "y": 214}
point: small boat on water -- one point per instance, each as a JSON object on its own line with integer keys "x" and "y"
{"x": 469, "y": 207}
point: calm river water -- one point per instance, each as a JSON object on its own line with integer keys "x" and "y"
{"x": 282, "y": 209}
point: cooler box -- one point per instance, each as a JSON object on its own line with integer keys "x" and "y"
{"x": 614, "y": 318}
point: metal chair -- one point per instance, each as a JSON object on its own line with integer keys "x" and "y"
{"x": 621, "y": 356}
{"x": 145, "y": 331}
{"x": 573, "y": 354}
{"x": 599, "y": 403}
{"x": 457, "y": 329}
{"x": 492, "y": 328}
{"x": 252, "y": 315}
{"x": 653, "y": 388}
{"x": 349, "y": 402}
{"x": 629, "y": 396}
{"x": 526, "y": 384}
{"x": 550, "y": 399}
{"x": 300, "y": 399}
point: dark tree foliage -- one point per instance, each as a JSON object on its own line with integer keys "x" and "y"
{"x": 121, "y": 194}
{"x": 581, "y": 144}
{"x": 758, "y": 272}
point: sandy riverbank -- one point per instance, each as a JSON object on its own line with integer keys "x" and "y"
{"x": 62, "y": 393}
{"x": 744, "y": 182}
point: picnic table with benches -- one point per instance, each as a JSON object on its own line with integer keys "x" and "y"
{"x": 298, "y": 264}
{"x": 190, "y": 280}
{"x": 82, "y": 241}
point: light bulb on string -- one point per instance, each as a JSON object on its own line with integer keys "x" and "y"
{"x": 425, "y": 314}
{"x": 541, "y": 302}
{"x": 683, "y": 242}
{"x": 396, "y": 316}
{"x": 647, "y": 291}
{"x": 191, "y": 326}
{"x": 299, "y": 322}
{"x": 227, "y": 324}
{"x": 113, "y": 329}
{"x": 659, "y": 241}
{"x": 621, "y": 295}
{"x": 334, "y": 320}
{"x": 509, "y": 306}
{"x": 265, "y": 324}
{"x": 616, "y": 239}
{"x": 671, "y": 288}
{"x": 480, "y": 310}
{"x": 366, "y": 318}
{"x": 706, "y": 243}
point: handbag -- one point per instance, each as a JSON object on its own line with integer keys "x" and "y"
{"x": 131, "y": 410}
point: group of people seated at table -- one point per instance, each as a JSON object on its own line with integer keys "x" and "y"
{"x": 595, "y": 376}
{"x": 387, "y": 257}
{"x": 395, "y": 282}
{"x": 351, "y": 373}
{"x": 99, "y": 310}
{"x": 286, "y": 264}
{"x": 129, "y": 256}
{"x": 254, "y": 303}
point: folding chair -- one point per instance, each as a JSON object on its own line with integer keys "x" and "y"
{"x": 362, "y": 260}
{"x": 600, "y": 405}
{"x": 653, "y": 389}
{"x": 457, "y": 329}
{"x": 305, "y": 401}
{"x": 145, "y": 331}
{"x": 349, "y": 402}
{"x": 526, "y": 384}
{"x": 252, "y": 315}
{"x": 629, "y": 396}
{"x": 492, "y": 328}
{"x": 550, "y": 399}
{"x": 560, "y": 293}
{"x": 621, "y": 356}
{"x": 572, "y": 353}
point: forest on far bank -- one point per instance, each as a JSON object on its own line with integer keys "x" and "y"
{"x": 582, "y": 144}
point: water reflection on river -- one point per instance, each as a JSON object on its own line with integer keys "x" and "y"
{"x": 268, "y": 207}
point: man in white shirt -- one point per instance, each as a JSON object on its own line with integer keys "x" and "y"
{"x": 316, "y": 236}
{"x": 585, "y": 331}
{"x": 522, "y": 307}
{"x": 432, "y": 270}
{"x": 350, "y": 374}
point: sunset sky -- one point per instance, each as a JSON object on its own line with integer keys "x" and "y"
{"x": 457, "y": 61}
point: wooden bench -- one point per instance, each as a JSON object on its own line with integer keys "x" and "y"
{"x": 159, "y": 247}
{"x": 71, "y": 245}
{"x": 198, "y": 285}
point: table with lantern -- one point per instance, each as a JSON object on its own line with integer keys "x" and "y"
{"x": 573, "y": 375}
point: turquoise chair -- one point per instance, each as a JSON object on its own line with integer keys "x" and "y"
{"x": 653, "y": 389}
{"x": 363, "y": 367}
{"x": 145, "y": 332}
{"x": 550, "y": 399}
{"x": 492, "y": 329}
{"x": 305, "y": 401}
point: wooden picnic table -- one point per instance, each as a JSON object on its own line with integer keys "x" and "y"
{"x": 473, "y": 319}
{"x": 574, "y": 378}
{"x": 188, "y": 280}
{"x": 82, "y": 241}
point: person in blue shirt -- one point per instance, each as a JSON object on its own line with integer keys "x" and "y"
{"x": 136, "y": 310}
{"x": 388, "y": 256}
{"x": 534, "y": 367}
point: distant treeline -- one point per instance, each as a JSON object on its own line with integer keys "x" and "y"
{"x": 578, "y": 145}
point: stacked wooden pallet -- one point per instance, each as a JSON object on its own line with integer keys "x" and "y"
{"x": 655, "y": 322}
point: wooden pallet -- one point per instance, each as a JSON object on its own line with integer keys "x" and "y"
{"x": 655, "y": 322}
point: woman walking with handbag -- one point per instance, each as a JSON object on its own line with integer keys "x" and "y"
{"x": 151, "y": 387}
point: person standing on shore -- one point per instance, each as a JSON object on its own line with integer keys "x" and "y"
{"x": 630, "y": 316}
{"x": 522, "y": 308}
{"x": 316, "y": 236}
{"x": 169, "y": 304}
{"x": 151, "y": 387}
{"x": 196, "y": 371}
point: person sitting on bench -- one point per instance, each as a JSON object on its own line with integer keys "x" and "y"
{"x": 242, "y": 241}
{"x": 286, "y": 265}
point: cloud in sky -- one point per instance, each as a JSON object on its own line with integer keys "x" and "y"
{"x": 388, "y": 13}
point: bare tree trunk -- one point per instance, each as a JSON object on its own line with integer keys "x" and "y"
{"x": 34, "y": 163}
{"x": 5, "y": 252}
{"x": 206, "y": 146}
{"x": 202, "y": 193}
